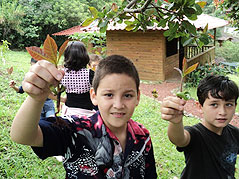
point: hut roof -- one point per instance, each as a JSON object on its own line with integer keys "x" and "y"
{"x": 201, "y": 22}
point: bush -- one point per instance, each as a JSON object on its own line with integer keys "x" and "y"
{"x": 204, "y": 70}
{"x": 228, "y": 51}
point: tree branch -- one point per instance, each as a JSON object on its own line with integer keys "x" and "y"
{"x": 141, "y": 9}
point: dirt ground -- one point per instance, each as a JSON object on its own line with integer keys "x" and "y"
{"x": 166, "y": 89}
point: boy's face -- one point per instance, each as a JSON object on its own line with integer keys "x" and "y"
{"x": 116, "y": 98}
{"x": 217, "y": 113}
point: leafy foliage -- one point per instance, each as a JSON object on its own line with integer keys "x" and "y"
{"x": 26, "y": 22}
{"x": 11, "y": 17}
{"x": 97, "y": 39}
{"x": 202, "y": 71}
{"x": 232, "y": 8}
{"x": 174, "y": 14}
{"x": 228, "y": 51}
{"x": 4, "y": 48}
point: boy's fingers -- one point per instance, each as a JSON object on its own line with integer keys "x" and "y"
{"x": 57, "y": 74}
{"x": 35, "y": 80}
{"x": 173, "y": 103}
{"x": 30, "y": 88}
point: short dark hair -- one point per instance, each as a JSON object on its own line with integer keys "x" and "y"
{"x": 219, "y": 87}
{"x": 115, "y": 64}
{"x": 76, "y": 56}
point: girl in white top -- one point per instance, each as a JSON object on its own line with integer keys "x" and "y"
{"x": 77, "y": 81}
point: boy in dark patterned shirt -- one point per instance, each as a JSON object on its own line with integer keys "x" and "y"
{"x": 109, "y": 144}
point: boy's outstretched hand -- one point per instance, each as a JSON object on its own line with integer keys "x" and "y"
{"x": 12, "y": 84}
{"x": 172, "y": 109}
{"x": 39, "y": 78}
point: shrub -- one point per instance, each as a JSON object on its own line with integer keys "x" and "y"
{"x": 228, "y": 51}
{"x": 204, "y": 70}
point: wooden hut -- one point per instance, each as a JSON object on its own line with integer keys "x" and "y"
{"x": 154, "y": 56}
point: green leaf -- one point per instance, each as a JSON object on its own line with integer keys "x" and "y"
{"x": 188, "y": 26}
{"x": 188, "y": 41}
{"x": 94, "y": 12}
{"x": 199, "y": 9}
{"x": 162, "y": 23}
{"x": 166, "y": 33}
{"x": 129, "y": 22}
{"x": 184, "y": 95}
{"x": 130, "y": 27}
{"x": 193, "y": 17}
{"x": 103, "y": 29}
{"x": 87, "y": 22}
{"x": 205, "y": 28}
{"x": 189, "y": 11}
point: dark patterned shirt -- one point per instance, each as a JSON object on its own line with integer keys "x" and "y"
{"x": 91, "y": 150}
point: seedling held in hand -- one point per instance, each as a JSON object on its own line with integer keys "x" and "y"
{"x": 49, "y": 53}
{"x": 185, "y": 71}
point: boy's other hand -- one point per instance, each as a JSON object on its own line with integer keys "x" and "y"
{"x": 39, "y": 78}
{"x": 172, "y": 109}
{"x": 12, "y": 83}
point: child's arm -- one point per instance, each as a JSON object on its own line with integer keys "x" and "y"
{"x": 25, "y": 129}
{"x": 54, "y": 97}
{"x": 12, "y": 85}
{"x": 172, "y": 111}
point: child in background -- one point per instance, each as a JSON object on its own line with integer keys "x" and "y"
{"x": 94, "y": 61}
{"x": 77, "y": 81}
{"x": 48, "y": 109}
{"x": 109, "y": 144}
{"x": 210, "y": 147}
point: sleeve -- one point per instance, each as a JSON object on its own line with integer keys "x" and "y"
{"x": 91, "y": 76}
{"x": 55, "y": 139}
{"x": 150, "y": 171}
{"x": 21, "y": 91}
{"x": 193, "y": 137}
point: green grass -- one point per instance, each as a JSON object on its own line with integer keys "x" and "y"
{"x": 19, "y": 161}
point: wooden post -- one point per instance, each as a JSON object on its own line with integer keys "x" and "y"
{"x": 215, "y": 33}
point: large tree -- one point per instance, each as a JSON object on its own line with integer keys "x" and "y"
{"x": 27, "y": 22}
{"x": 176, "y": 15}
{"x": 231, "y": 7}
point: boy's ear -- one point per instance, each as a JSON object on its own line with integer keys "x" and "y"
{"x": 93, "y": 96}
{"x": 138, "y": 98}
{"x": 199, "y": 106}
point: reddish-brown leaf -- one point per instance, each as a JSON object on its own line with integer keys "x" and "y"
{"x": 62, "y": 49}
{"x": 50, "y": 48}
{"x": 184, "y": 64}
{"x": 114, "y": 7}
{"x": 190, "y": 69}
{"x": 212, "y": 36}
{"x": 10, "y": 70}
{"x": 38, "y": 54}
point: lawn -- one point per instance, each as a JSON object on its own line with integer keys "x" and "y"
{"x": 18, "y": 161}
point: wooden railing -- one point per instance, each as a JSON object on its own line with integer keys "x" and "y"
{"x": 191, "y": 51}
